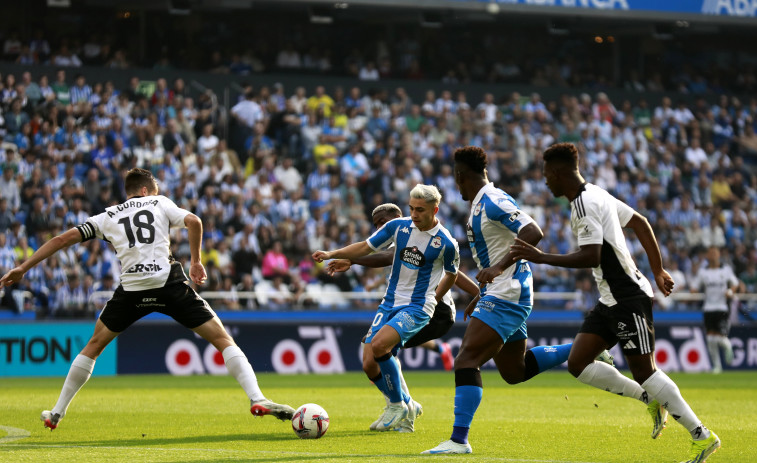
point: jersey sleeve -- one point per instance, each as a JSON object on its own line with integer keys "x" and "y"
{"x": 174, "y": 213}
{"x": 625, "y": 212}
{"x": 451, "y": 257}
{"x": 588, "y": 226}
{"x": 506, "y": 212}
{"x": 384, "y": 235}
{"x": 92, "y": 228}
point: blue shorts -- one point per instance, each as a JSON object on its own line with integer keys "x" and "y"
{"x": 507, "y": 318}
{"x": 406, "y": 319}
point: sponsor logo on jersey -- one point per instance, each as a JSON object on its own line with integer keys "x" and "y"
{"x": 514, "y": 216}
{"x": 621, "y": 325}
{"x": 405, "y": 230}
{"x": 436, "y": 242}
{"x": 144, "y": 268}
{"x": 412, "y": 258}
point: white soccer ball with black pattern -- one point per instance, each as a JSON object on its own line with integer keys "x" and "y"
{"x": 310, "y": 421}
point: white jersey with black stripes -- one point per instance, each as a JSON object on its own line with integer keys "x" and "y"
{"x": 597, "y": 217}
{"x": 138, "y": 229}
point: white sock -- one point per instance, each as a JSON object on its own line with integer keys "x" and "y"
{"x": 239, "y": 367}
{"x": 725, "y": 344}
{"x": 604, "y": 376}
{"x": 665, "y": 390}
{"x": 78, "y": 375}
{"x": 713, "y": 343}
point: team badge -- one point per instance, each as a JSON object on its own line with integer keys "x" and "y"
{"x": 477, "y": 209}
{"x": 436, "y": 242}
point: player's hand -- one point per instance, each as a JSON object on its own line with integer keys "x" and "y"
{"x": 14, "y": 276}
{"x": 320, "y": 256}
{"x": 522, "y": 250}
{"x": 471, "y": 307}
{"x": 197, "y": 273}
{"x": 338, "y": 265}
{"x": 488, "y": 275}
{"x": 664, "y": 282}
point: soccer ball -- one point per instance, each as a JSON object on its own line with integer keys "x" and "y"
{"x": 310, "y": 421}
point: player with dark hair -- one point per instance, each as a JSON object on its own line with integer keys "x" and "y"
{"x": 150, "y": 282}
{"x": 497, "y": 329}
{"x": 624, "y": 311}
{"x": 440, "y": 323}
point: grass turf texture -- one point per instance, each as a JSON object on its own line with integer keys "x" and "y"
{"x": 552, "y": 418}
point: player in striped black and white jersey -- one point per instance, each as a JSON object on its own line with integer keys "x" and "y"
{"x": 424, "y": 268}
{"x": 720, "y": 284}
{"x": 138, "y": 229}
{"x": 624, "y": 311}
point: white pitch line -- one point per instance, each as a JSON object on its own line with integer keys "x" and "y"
{"x": 247, "y": 452}
{"x": 14, "y": 434}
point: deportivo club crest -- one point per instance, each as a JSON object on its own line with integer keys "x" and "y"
{"x": 436, "y": 242}
{"x": 477, "y": 209}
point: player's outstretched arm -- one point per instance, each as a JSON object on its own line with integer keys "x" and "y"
{"x": 643, "y": 230}
{"x": 465, "y": 283}
{"x": 194, "y": 229}
{"x": 530, "y": 234}
{"x": 375, "y": 260}
{"x": 348, "y": 252}
{"x": 588, "y": 255}
{"x": 61, "y": 241}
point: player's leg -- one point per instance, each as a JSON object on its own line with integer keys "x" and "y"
{"x": 665, "y": 391}
{"x": 480, "y": 343}
{"x": 78, "y": 374}
{"x": 439, "y": 325}
{"x": 516, "y": 364}
{"x": 188, "y": 308}
{"x": 381, "y": 346}
{"x": 119, "y": 313}
{"x": 240, "y": 368}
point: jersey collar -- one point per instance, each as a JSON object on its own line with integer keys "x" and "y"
{"x": 431, "y": 231}
{"x": 484, "y": 189}
{"x": 581, "y": 189}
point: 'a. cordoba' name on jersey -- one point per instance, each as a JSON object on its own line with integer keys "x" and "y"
{"x": 138, "y": 229}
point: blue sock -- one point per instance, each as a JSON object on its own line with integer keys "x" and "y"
{"x": 467, "y": 399}
{"x": 548, "y": 357}
{"x": 391, "y": 374}
{"x": 405, "y": 395}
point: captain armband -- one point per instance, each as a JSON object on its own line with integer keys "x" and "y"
{"x": 87, "y": 231}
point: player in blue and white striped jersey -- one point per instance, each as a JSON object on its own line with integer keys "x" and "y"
{"x": 424, "y": 268}
{"x": 497, "y": 328}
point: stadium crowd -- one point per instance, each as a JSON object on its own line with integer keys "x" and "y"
{"x": 300, "y": 172}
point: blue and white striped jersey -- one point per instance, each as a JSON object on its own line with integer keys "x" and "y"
{"x": 494, "y": 222}
{"x": 420, "y": 259}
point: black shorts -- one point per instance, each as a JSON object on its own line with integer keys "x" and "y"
{"x": 177, "y": 300}
{"x": 629, "y": 323}
{"x": 437, "y": 326}
{"x": 717, "y": 321}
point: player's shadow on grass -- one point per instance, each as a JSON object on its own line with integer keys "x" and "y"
{"x": 168, "y": 441}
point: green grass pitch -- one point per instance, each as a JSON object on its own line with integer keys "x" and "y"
{"x": 552, "y": 418}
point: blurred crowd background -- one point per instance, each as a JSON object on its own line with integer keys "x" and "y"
{"x": 278, "y": 171}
